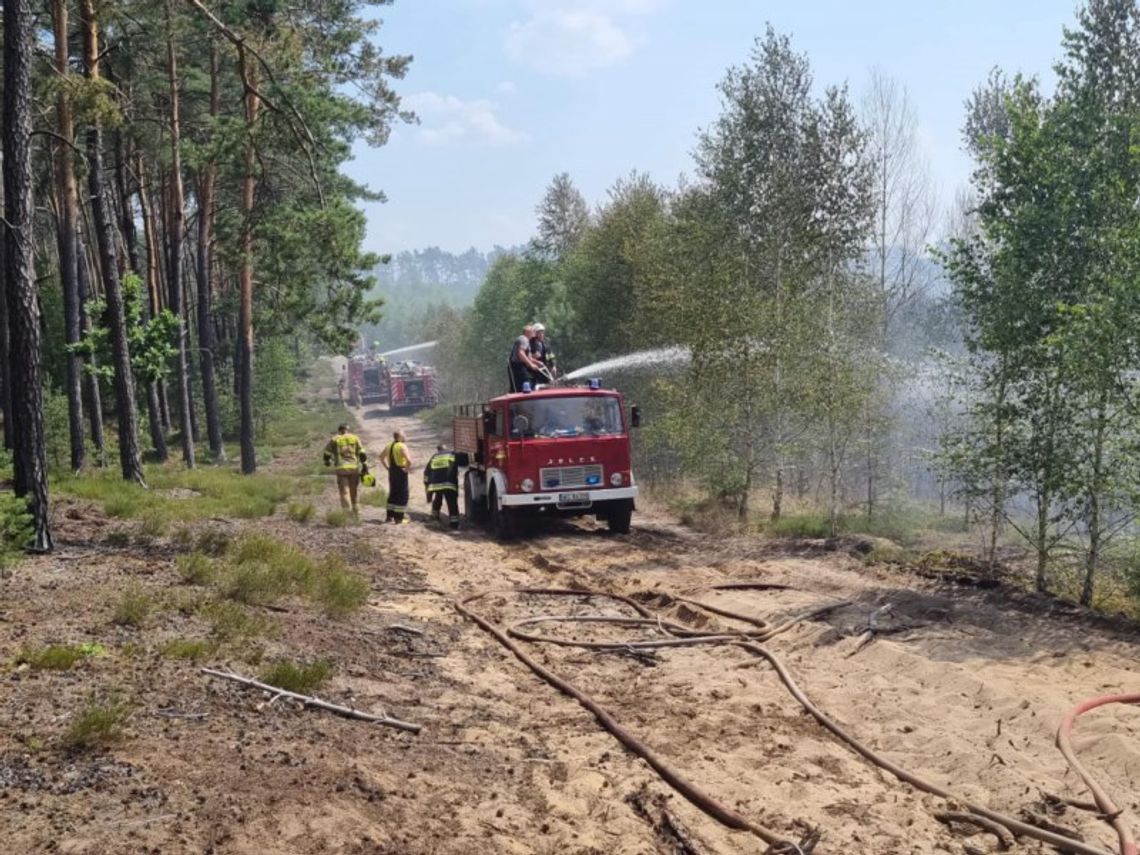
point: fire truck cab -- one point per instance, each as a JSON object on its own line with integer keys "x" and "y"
{"x": 552, "y": 452}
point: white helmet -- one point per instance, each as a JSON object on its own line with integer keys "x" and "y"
{"x": 538, "y": 327}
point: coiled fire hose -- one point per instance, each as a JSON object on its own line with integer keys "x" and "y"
{"x": 750, "y": 640}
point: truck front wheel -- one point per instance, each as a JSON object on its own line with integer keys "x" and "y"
{"x": 503, "y": 522}
{"x": 619, "y": 515}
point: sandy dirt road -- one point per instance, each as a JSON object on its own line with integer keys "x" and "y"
{"x": 969, "y": 695}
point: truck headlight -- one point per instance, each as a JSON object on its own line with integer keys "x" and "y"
{"x": 615, "y": 479}
{"x": 527, "y": 485}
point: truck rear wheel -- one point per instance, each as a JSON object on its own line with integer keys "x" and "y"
{"x": 619, "y": 516}
{"x": 474, "y": 509}
{"x": 503, "y": 522}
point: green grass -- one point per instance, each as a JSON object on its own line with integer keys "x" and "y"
{"x": 97, "y": 724}
{"x": 258, "y": 570}
{"x": 192, "y": 649}
{"x": 132, "y": 608}
{"x": 299, "y": 677}
{"x": 58, "y": 657}
{"x": 214, "y": 492}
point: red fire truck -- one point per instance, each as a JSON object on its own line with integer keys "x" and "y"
{"x": 552, "y": 452}
{"x": 411, "y": 386}
{"x": 367, "y": 381}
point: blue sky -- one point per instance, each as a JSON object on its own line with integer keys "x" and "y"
{"x": 511, "y": 92}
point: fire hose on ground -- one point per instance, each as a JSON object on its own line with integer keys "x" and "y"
{"x": 751, "y": 640}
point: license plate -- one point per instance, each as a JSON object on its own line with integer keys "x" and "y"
{"x": 573, "y": 498}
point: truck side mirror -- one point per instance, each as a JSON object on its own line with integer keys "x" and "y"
{"x": 635, "y": 416}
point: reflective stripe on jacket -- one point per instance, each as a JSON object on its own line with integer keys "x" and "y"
{"x": 441, "y": 473}
{"x": 344, "y": 451}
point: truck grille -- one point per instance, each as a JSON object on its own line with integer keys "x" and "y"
{"x": 569, "y": 477}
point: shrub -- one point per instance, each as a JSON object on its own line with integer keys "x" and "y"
{"x": 132, "y": 608}
{"x": 301, "y": 678}
{"x": 340, "y": 591}
{"x": 374, "y": 498}
{"x": 229, "y": 621}
{"x": 339, "y": 518}
{"x": 96, "y": 725}
{"x": 799, "y": 525}
{"x": 300, "y": 512}
{"x": 194, "y": 568}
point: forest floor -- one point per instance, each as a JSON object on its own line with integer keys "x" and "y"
{"x": 968, "y": 692}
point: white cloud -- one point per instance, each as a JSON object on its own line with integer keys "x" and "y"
{"x": 447, "y": 118}
{"x": 570, "y": 39}
{"x": 506, "y": 87}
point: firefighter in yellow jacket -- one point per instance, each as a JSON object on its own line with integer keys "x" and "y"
{"x": 346, "y": 452}
{"x": 441, "y": 482}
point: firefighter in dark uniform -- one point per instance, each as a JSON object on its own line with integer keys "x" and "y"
{"x": 541, "y": 353}
{"x": 398, "y": 462}
{"x": 441, "y": 481}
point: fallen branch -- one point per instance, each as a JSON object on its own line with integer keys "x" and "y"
{"x": 1005, "y": 838}
{"x": 410, "y": 630}
{"x": 308, "y": 701}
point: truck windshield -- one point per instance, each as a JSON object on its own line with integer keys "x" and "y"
{"x": 588, "y": 415}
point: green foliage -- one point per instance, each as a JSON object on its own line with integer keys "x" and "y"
{"x": 97, "y": 724}
{"x": 132, "y": 608}
{"x": 1047, "y": 291}
{"x": 152, "y": 341}
{"x": 16, "y": 528}
{"x": 299, "y": 677}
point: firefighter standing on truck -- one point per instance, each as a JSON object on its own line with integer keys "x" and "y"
{"x": 398, "y": 463}
{"x": 441, "y": 482}
{"x": 346, "y": 451}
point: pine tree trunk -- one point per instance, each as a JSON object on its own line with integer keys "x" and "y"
{"x": 156, "y": 421}
{"x": 176, "y": 232}
{"x": 67, "y": 225}
{"x": 126, "y": 207}
{"x": 207, "y": 341}
{"x": 126, "y": 409}
{"x": 94, "y": 396}
{"x": 245, "y": 311}
{"x": 30, "y": 462}
{"x": 5, "y": 349}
